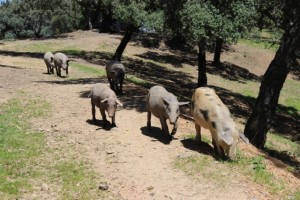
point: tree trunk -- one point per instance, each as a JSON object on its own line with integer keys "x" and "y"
{"x": 218, "y": 50}
{"x": 128, "y": 34}
{"x": 202, "y": 79}
{"x": 106, "y": 23}
{"x": 259, "y": 121}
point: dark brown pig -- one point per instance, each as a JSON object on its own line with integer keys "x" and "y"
{"x": 115, "y": 74}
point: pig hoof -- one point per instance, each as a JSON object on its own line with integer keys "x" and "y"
{"x": 113, "y": 125}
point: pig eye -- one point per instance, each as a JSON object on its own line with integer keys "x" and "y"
{"x": 177, "y": 110}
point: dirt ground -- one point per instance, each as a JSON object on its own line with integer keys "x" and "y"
{"x": 135, "y": 163}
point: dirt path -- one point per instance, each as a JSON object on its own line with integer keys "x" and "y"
{"x": 136, "y": 163}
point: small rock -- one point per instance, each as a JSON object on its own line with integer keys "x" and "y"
{"x": 103, "y": 186}
{"x": 109, "y": 152}
{"x": 44, "y": 187}
{"x": 152, "y": 194}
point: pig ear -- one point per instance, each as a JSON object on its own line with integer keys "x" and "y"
{"x": 183, "y": 103}
{"x": 166, "y": 102}
{"x": 119, "y": 103}
{"x": 104, "y": 100}
{"x": 243, "y": 137}
{"x": 227, "y": 139}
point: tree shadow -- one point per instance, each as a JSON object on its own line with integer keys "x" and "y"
{"x": 21, "y": 54}
{"x": 73, "y": 81}
{"x": 232, "y": 72}
{"x": 286, "y": 122}
{"x": 286, "y": 158}
{"x": 201, "y": 147}
{"x": 179, "y": 83}
{"x": 176, "y": 60}
{"x": 155, "y": 133}
{"x": 134, "y": 97}
{"x": 9, "y": 66}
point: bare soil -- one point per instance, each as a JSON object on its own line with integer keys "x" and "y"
{"x": 136, "y": 163}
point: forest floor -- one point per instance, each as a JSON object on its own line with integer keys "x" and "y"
{"x": 133, "y": 162}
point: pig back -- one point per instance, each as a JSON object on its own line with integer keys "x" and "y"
{"x": 61, "y": 60}
{"x": 155, "y": 103}
{"x": 114, "y": 66}
{"x": 208, "y": 110}
{"x": 48, "y": 57}
{"x": 100, "y": 92}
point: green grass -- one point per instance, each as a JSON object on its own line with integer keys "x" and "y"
{"x": 77, "y": 181}
{"x": 89, "y": 70}
{"x": 259, "y": 44}
{"x": 282, "y": 144}
{"x": 259, "y": 174}
{"x": 19, "y": 145}
{"x": 218, "y": 171}
{"x": 139, "y": 81}
{"x": 265, "y": 39}
{"x": 290, "y": 94}
{"x": 26, "y": 161}
{"x": 295, "y": 196}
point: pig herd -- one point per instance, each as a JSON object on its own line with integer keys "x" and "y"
{"x": 206, "y": 108}
{"x": 58, "y": 61}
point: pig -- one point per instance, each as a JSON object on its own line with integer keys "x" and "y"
{"x": 209, "y": 112}
{"x": 163, "y": 105}
{"x": 106, "y": 100}
{"x": 115, "y": 74}
{"x": 61, "y": 61}
{"x": 49, "y": 61}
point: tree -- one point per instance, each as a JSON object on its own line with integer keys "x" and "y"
{"x": 288, "y": 19}
{"x": 37, "y": 18}
{"x": 133, "y": 13}
{"x": 205, "y": 22}
{"x": 238, "y": 18}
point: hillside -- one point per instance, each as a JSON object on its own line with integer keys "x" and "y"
{"x": 130, "y": 162}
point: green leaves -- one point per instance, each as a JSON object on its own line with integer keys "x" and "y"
{"x": 211, "y": 20}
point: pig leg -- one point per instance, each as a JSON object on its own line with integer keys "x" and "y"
{"x": 198, "y": 132}
{"x": 48, "y": 68}
{"x": 174, "y": 129}
{"x": 149, "y": 120}
{"x": 121, "y": 83}
{"x": 218, "y": 149}
{"x": 58, "y": 71}
{"x": 165, "y": 128}
{"x": 52, "y": 69}
{"x": 93, "y": 112}
{"x": 113, "y": 123}
{"x": 67, "y": 71}
{"x": 117, "y": 87}
{"x": 110, "y": 83}
{"x": 102, "y": 111}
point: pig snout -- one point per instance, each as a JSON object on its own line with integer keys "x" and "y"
{"x": 173, "y": 119}
{"x": 111, "y": 112}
